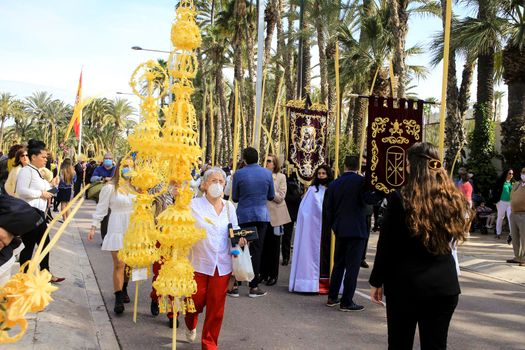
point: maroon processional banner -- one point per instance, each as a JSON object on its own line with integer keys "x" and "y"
{"x": 391, "y": 131}
{"x": 307, "y": 137}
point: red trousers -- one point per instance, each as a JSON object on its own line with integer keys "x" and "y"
{"x": 211, "y": 293}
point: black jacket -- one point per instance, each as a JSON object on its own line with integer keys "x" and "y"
{"x": 345, "y": 206}
{"x": 404, "y": 266}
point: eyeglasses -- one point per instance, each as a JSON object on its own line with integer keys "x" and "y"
{"x": 25, "y": 155}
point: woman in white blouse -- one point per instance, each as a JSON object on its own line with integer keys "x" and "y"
{"x": 118, "y": 196}
{"x": 33, "y": 189}
{"x": 211, "y": 257}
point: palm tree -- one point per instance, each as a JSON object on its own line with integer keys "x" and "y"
{"x": 8, "y": 106}
{"x": 513, "y": 131}
{"x": 119, "y": 112}
{"x": 398, "y": 19}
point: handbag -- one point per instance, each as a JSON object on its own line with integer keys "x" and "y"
{"x": 94, "y": 191}
{"x": 242, "y": 265}
{"x": 249, "y": 233}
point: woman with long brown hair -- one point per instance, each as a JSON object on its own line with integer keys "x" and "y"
{"x": 414, "y": 263}
{"x": 65, "y": 187}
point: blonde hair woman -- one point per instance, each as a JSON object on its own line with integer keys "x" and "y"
{"x": 118, "y": 196}
{"x": 21, "y": 160}
{"x": 279, "y": 216}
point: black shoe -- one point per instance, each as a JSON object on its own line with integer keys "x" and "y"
{"x": 119, "y": 304}
{"x": 285, "y": 262}
{"x": 332, "y": 303}
{"x": 512, "y": 261}
{"x": 271, "y": 282}
{"x": 257, "y": 292}
{"x": 364, "y": 264}
{"x": 509, "y": 239}
{"x": 125, "y": 296}
{"x": 170, "y": 322}
{"x": 263, "y": 279}
{"x": 353, "y": 307}
{"x": 154, "y": 307}
{"x": 234, "y": 292}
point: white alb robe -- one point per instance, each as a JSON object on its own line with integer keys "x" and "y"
{"x": 304, "y": 276}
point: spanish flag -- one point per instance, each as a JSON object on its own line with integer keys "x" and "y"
{"x": 77, "y": 112}
{"x": 76, "y": 119}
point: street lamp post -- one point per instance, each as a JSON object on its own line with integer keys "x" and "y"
{"x": 138, "y": 48}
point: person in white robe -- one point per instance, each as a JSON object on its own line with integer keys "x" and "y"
{"x": 307, "y": 257}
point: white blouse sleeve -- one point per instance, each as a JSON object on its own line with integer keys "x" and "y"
{"x": 23, "y": 182}
{"x": 103, "y": 204}
{"x": 233, "y": 215}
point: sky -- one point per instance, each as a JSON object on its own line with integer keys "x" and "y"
{"x": 45, "y": 44}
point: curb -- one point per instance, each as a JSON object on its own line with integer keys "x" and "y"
{"x": 106, "y": 336}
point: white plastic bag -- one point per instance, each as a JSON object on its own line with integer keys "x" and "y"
{"x": 242, "y": 265}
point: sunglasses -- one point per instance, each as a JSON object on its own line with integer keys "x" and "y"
{"x": 269, "y": 161}
{"x": 25, "y": 155}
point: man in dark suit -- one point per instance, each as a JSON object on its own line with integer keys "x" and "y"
{"x": 345, "y": 210}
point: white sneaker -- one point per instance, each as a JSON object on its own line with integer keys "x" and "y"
{"x": 191, "y": 335}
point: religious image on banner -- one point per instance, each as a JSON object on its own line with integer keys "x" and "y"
{"x": 390, "y": 133}
{"x": 307, "y": 135}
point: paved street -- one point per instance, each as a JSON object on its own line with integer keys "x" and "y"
{"x": 490, "y": 314}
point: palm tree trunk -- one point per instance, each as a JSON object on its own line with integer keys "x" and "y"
{"x": 399, "y": 25}
{"x": 270, "y": 17}
{"x": 307, "y": 59}
{"x": 513, "y": 128}
{"x": 3, "y": 118}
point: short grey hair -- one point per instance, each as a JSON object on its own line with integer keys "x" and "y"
{"x": 214, "y": 170}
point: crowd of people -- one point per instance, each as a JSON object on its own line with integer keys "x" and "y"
{"x": 415, "y": 267}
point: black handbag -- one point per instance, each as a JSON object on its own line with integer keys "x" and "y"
{"x": 249, "y": 233}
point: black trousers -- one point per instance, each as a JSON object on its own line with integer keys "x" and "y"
{"x": 32, "y": 239}
{"x": 77, "y": 187}
{"x": 270, "y": 255}
{"x": 286, "y": 241}
{"x": 431, "y": 314}
{"x": 256, "y": 248}
{"x": 347, "y": 257}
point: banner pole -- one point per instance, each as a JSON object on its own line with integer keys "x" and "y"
{"x": 446, "y": 55}
{"x": 365, "y": 124}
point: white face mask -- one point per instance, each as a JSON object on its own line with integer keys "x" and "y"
{"x": 215, "y": 190}
{"x": 523, "y": 177}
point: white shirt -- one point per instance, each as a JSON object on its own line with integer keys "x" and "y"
{"x": 213, "y": 252}
{"x": 30, "y": 185}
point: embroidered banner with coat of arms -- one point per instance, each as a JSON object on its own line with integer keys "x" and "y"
{"x": 391, "y": 131}
{"x": 307, "y": 135}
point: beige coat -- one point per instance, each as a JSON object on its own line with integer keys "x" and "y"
{"x": 278, "y": 210}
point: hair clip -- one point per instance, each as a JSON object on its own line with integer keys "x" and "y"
{"x": 434, "y": 164}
